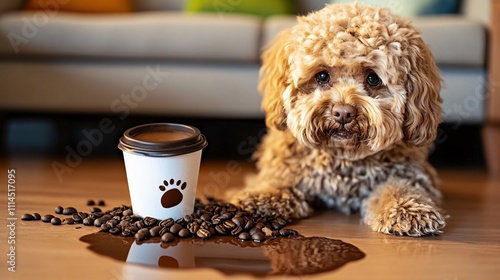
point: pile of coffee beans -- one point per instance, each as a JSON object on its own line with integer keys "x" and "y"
{"x": 213, "y": 218}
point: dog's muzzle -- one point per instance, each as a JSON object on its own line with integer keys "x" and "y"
{"x": 344, "y": 115}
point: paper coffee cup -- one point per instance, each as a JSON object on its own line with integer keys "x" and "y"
{"x": 162, "y": 161}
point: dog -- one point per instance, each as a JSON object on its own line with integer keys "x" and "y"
{"x": 352, "y": 101}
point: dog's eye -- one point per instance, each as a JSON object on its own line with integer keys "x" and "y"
{"x": 373, "y": 80}
{"x": 322, "y": 78}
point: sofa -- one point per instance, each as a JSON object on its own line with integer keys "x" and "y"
{"x": 160, "y": 60}
{"x": 64, "y": 73}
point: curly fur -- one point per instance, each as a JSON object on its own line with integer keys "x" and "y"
{"x": 377, "y": 163}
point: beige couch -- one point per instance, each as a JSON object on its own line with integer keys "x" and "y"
{"x": 161, "y": 60}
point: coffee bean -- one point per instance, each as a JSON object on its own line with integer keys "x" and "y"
{"x": 248, "y": 225}
{"x": 99, "y": 221}
{"x": 139, "y": 236}
{"x": 238, "y": 221}
{"x": 229, "y": 224}
{"x": 188, "y": 218}
{"x": 281, "y": 221}
{"x": 193, "y": 227}
{"x": 205, "y": 217}
{"x": 168, "y": 237}
{"x": 216, "y": 221}
{"x": 287, "y": 232}
{"x": 36, "y": 216}
{"x": 69, "y": 221}
{"x": 275, "y": 226}
{"x": 101, "y": 203}
{"x": 47, "y": 218}
{"x": 90, "y": 202}
{"x": 167, "y": 222}
{"x": 95, "y": 209}
{"x": 96, "y": 215}
{"x": 127, "y": 232}
{"x": 123, "y": 224}
{"x": 77, "y": 218}
{"x": 115, "y": 231}
{"x": 149, "y": 221}
{"x": 225, "y": 216}
{"x": 55, "y": 221}
{"x": 105, "y": 227}
{"x": 184, "y": 233}
{"x": 134, "y": 228}
{"x": 117, "y": 212}
{"x": 254, "y": 231}
{"x": 236, "y": 231}
{"x": 258, "y": 237}
{"x": 88, "y": 221}
{"x": 83, "y": 215}
{"x": 163, "y": 230}
{"x": 144, "y": 232}
{"x": 27, "y": 217}
{"x": 203, "y": 233}
{"x": 69, "y": 211}
{"x": 212, "y": 231}
{"x": 139, "y": 224}
{"x": 127, "y": 212}
{"x": 206, "y": 225}
{"x": 155, "y": 231}
{"x": 59, "y": 210}
{"x": 112, "y": 223}
{"x": 244, "y": 236}
{"x": 108, "y": 217}
{"x": 220, "y": 229}
{"x": 175, "y": 228}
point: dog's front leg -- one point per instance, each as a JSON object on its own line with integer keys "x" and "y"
{"x": 273, "y": 198}
{"x": 401, "y": 209}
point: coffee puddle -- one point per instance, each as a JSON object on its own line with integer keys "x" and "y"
{"x": 281, "y": 256}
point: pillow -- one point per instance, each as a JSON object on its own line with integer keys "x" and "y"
{"x": 82, "y": 6}
{"x": 263, "y": 8}
{"x": 415, "y": 7}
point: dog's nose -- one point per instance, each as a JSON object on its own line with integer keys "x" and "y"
{"x": 344, "y": 113}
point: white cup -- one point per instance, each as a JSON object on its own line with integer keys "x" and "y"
{"x": 162, "y": 161}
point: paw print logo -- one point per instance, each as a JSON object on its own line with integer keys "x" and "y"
{"x": 173, "y": 196}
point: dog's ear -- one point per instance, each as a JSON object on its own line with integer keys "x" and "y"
{"x": 273, "y": 80}
{"x": 423, "y": 105}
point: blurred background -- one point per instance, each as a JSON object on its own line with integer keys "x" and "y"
{"x": 75, "y": 74}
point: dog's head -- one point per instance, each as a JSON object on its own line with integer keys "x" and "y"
{"x": 352, "y": 78}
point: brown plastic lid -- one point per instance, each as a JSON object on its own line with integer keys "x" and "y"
{"x": 191, "y": 140}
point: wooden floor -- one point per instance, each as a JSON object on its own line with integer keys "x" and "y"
{"x": 468, "y": 249}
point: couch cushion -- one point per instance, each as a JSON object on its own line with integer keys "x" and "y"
{"x": 165, "y": 35}
{"x": 454, "y": 40}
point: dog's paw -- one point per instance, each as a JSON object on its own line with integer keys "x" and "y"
{"x": 288, "y": 203}
{"x": 407, "y": 216}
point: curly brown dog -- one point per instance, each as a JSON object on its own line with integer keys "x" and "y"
{"x": 351, "y": 95}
